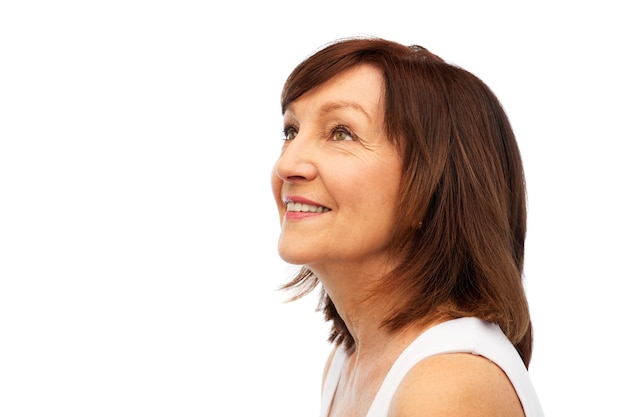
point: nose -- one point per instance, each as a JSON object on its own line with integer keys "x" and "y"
{"x": 296, "y": 161}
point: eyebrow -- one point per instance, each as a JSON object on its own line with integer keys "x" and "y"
{"x": 341, "y": 104}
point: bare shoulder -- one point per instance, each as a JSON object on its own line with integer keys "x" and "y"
{"x": 454, "y": 385}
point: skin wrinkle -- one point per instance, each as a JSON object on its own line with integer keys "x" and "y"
{"x": 340, "y": 104}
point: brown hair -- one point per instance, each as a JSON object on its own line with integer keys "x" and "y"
{"x": 461, "y": 214}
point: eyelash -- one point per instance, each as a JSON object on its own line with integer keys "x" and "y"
{"x": 342, "y": 129}
{"x": 290, "y": 129}
{"x": 287, "y": 130}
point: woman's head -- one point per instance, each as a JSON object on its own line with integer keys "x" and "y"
{"x": 336, "y": 181}
{"x": 460, "y": 213}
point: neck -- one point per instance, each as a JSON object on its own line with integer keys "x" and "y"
{"x": 352, "y": 290}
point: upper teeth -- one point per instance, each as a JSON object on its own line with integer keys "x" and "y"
{"x": 291, "y": 206}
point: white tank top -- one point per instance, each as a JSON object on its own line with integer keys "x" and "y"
{"x": 463, "y": 335}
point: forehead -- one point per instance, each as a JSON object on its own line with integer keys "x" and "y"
{"x": 359, "y": 88}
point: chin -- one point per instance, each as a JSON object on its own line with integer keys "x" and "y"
{"x": 294, "y": 254}
{"x": 293, "y": 258}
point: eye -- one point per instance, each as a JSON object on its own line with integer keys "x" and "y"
{"x": 290, "y": 133}
{"x": 341, "y": 133}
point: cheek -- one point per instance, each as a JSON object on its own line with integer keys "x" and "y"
{"x": 376, "y": 188}
{"x": 379, "y": 193}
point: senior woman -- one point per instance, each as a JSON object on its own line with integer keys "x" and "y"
{"x": 401, "y": 192}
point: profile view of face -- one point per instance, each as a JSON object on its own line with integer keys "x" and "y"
{"x": 337, "y": 179}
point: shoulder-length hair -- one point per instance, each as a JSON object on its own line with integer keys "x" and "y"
{"x": 461, "y": 214}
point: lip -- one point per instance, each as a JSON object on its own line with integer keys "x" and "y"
{"x": 299, "y": 215}
{"x": 302, "y": 200}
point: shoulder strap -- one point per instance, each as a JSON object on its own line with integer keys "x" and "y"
{"x": 464, "y": 335}
{"x": 332, "y": 380}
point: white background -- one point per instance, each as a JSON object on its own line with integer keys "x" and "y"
{"x": 138, "y": 270}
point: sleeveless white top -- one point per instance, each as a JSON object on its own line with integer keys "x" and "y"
{"x": 463, "y": 335}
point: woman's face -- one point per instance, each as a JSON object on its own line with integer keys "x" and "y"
{"x": 337, "y": 178}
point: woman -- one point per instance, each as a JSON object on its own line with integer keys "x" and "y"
{"x": 400, "y": 190}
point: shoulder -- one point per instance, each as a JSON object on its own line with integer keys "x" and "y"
{"x": 456, "y": 384}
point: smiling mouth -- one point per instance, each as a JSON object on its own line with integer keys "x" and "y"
{"x": 305, "y": 208}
